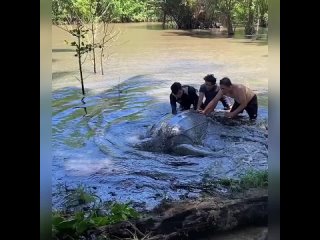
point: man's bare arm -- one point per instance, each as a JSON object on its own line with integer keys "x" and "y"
{"x": 213, "y": 103}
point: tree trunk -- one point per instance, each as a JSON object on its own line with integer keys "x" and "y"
{"x": 102, "y": 47}
{"x": 249, "y": 29}
{"x": 258, "y": 22}
{"x": 101, "y": 57}
{"x": 209, "y": 215}
{"x": 80, "y": 64}
{"x": 93, "y": 49}
{"x": 80, "y": 70}
{"x": 164, "y": 20}
{"x": 229, "y": 25}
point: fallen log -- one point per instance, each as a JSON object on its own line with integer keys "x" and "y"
{"x": 178, "y": 220}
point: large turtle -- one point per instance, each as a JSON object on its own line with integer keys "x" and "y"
{"x": 180, "y": 134}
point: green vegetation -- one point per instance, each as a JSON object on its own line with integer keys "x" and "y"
{"x": 185, "y": 13}
{"x": 251, "y": 179}
{"x": 84, "y": 211}
{"x": 112, "y": 10}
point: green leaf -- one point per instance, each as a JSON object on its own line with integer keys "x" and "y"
{"x": 82, "y": 226}
{"x": 124, "y": 216}
{"x": 101, "y": 221}
{"x": 67, "y": 224}
{"x": 56, "y": 220}
{"x": 79, "y": 216}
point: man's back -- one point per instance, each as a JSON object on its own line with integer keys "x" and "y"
{"x": 238, "y": 90}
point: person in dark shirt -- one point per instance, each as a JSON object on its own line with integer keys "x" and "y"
{"x": 184, "y": 95}
{"x": 209, "y": 90}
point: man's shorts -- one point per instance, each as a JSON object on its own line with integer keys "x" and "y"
{"x": 251, "y": 108}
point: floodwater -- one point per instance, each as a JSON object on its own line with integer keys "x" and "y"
{"x": 94, "y": 138}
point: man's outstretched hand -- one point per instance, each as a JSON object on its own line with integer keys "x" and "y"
{"x": 229, "y": 115}
{"x": 202, "y": 112}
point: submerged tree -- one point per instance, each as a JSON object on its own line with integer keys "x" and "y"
{"x": 257, "y": 15}
{"x": 181, "y": 11}
{"x": 249, "y": 28}
{"x": 81, "y": 48}
{"x": 227, "y": 7}
{"x": 87, "y": 21}
{"x": 88, "y": 10}
{"x": 68, "y": 18}
{"x": 107, "y": 34}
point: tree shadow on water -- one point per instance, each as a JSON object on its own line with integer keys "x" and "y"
{"x": 216, "y": 34}
{"x": 63, "y": 50}
{"x": 56, "y": 75}
{"x": 198, "y": 33}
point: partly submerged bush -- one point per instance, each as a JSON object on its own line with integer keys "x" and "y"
{"x": 85, "y": 211}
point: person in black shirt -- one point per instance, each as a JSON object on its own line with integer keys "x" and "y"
{"x": 184, "y": 95}
{"x": 209, "y": 90}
